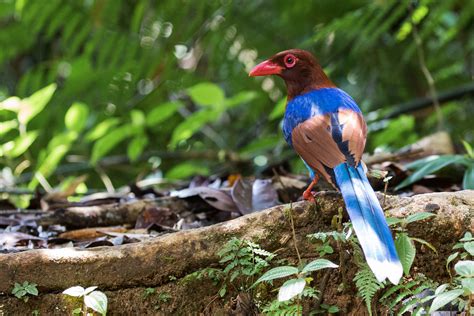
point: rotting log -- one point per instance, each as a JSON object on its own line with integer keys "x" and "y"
{"x": 124, "y": 272}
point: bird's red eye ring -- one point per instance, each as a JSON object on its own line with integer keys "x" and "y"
{"x": 290, "y": 60}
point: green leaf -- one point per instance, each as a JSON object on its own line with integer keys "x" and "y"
{"x": 76, "y": 116}
{"x": 192, "y": 124}
{"x": 424, "y": 242}
{"x": 96, "y": 301}
{"x": 31, "y": 289}
{"x": 406, "y": 251}
{"x": 136, "y": 147}
{"x": 468, "y": 148}
{"x": 468, "y": 284}
{"x": 34, "y": 104}
{"x": 102, "y": 128}
{"x": 7, "y": 126}
{"x": 138, "y": 118}
{"x": 429, "y": 166}
{"x": 418, "y": 217}
{"x": 469, "y": 246}
{"x": 279, "y": 110}
{"x": 261, "y": 144}
{"x": 89, "y": 289}
{"x": 277, "y": 273}
{"x": 450, "y": 259}
{"x": 109, "y": 141}
{"x": 465, "y": 268}
{"x": 290, "y": 289}
{"x": 242, "y": 97}
{"x": 443, "y": 299}
{"x": 207, "y": 94}
{"x": 162, "y": 112}
{"x": 18, "y": 146}
{"x": 392, "y": 221}
{"x": 187, "y": 169}
{"x": 318, "y": 264}
{"x": 468, "y": 179}
{"x": 75, "y": 291}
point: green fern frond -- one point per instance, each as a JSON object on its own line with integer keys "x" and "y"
{"x": 367, "y": 285}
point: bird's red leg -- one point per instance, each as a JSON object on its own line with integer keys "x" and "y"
{"x": 307, "y": 194}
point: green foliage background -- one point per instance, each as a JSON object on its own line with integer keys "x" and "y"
{"x": 129, "y": 88}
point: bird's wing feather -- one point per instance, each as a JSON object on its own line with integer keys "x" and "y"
{"x": 325, "y": 141}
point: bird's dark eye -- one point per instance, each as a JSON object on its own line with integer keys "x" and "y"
{"x": 290, "y": 61}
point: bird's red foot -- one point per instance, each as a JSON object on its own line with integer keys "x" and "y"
{"x": 307, "y": 194}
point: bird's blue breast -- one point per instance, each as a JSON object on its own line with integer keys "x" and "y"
{"x": 317, "y": 102}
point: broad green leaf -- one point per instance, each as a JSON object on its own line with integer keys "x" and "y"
{"x": 467, "y": 237}
{"x": 191, "y": 125}
{"x": 406, "y": 251}
{"x": 102, "y": 128}
{"x": 443, "y": 299}
{"x": 450, "y": 259}
{"x": 392, "y": 221}
{"x": 96, "y": 301}
{"x": 418, "y": 217}
{"x": 31, "y": 289}
{"x": 34, "y": 104}
{"x": 89, "y": 289}
{"x": 277, "y": 273}
{"x": 469, "y": 246}
{"x": 161, "y": 113}
{"x": 7, "y": 126}
{"x": 318, "y": 264}
{"x": 468, "y": 180}
{"x": 468, "y": 284}
{"x": 76, "y": 116}
{"x": 465, "y": 268}
{"x": 430, "y": 167}
{"x": 207, "y": 94}
{"x": 187, "y": 169}
{"x": 76, "y": 291}
{"x": 279, "y": 110}
{"x": 290, "y": 289}
{"x": 109, "y": 141}
{"x": 138, "y": 118}
{"x": 18, "y": 146}
{"x": 242, "y": 97}
{"x": 136, "y": 146}
{"x": 441, "y": 288}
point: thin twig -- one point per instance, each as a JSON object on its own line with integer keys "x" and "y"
{"x": 105, "y": 179}
{"x": 426, "y": 72}
{"x": 294, "y": 233}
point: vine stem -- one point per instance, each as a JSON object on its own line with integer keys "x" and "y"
{"x": 294, "y": 233}
{"x": 426, "y": 72}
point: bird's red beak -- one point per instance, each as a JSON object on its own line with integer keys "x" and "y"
{"x": 266, "y": 68}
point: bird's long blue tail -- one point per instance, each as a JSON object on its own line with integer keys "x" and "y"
{"x": 369, "y": 222}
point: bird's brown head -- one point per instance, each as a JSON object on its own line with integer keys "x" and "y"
{"x": 299, "y": 68}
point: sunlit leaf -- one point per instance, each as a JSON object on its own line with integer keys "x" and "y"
{"x": 318, "y": 264}
{"x": 418, "y": 217}
{"x": 76, "y": 291}
{"x": 161, "y": 113}
{"x": 290, "y": 289}
{"x": 207, "y": 94}
{"x": 76, "y": 116}
{"x": 34, "y": 104}
{"x": 406, "y": 251}
{"x": 7, "y": 126}
{"x": 277, "y": 273}
{"x": 239, "y": 98}
{"x": 430, "y": 167}
{"x": 469, "y": 246}
{"x": 109, "y": 142}
{"x": 443, "y": 299}
{"x": 191, "y": 125}
{"x": 21, "y": 144}
{"x": 136, "y": 146}
{"x": 465, "y": 268}
{"x": 102, "y": 128}
{"x": 468, "y": 284}
{"x": 96, "y": 301}
{"x": 187, "y": 169}
{"x": 138, "y": 118}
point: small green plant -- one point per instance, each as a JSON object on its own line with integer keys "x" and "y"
{"x": 296, "y": 285}
{"x": 25, "y": 290}
{"x": 431, "y": 164}
{"x": 95, "y": 300}
{"x": 163, "y": 298}
{"x": 244, "y": 259}
{"x": 149, "y": 291}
